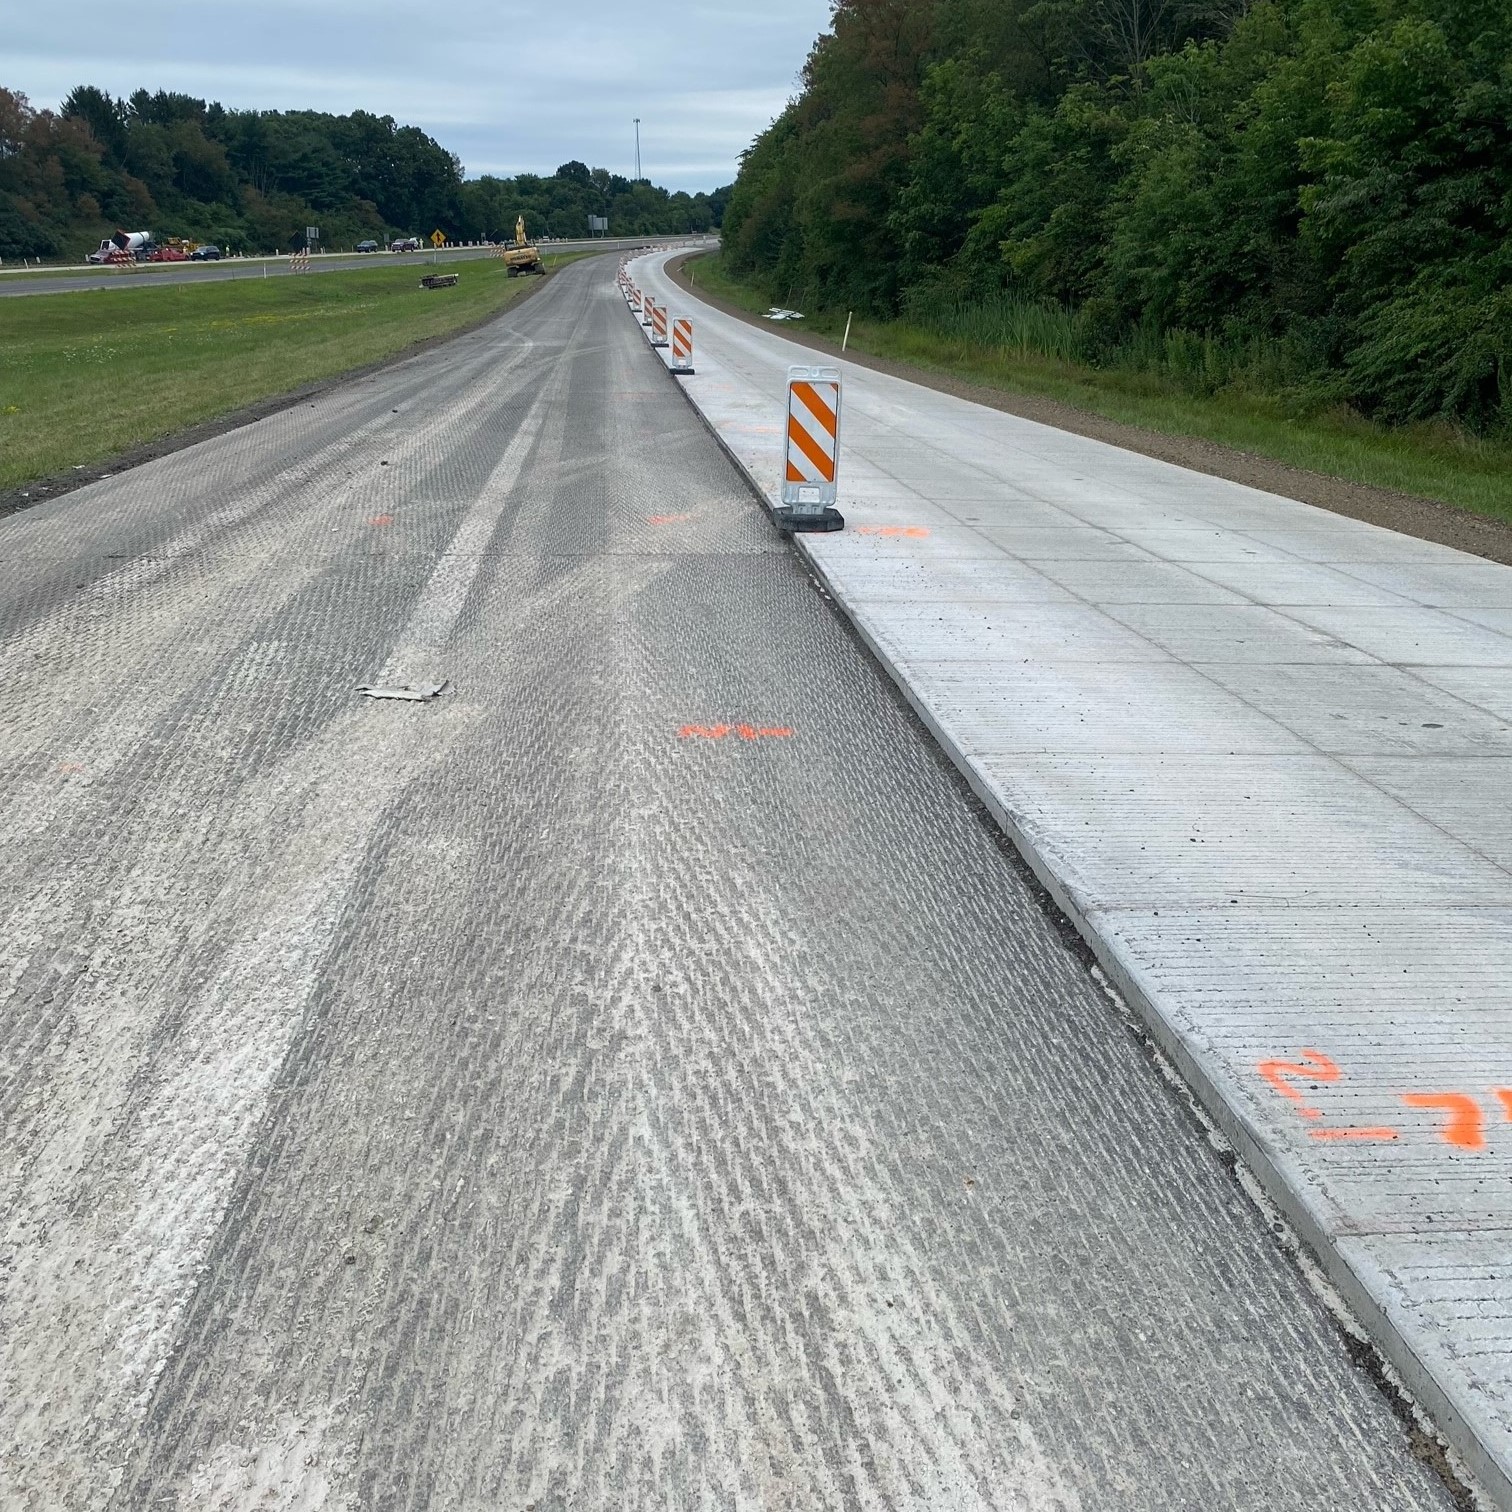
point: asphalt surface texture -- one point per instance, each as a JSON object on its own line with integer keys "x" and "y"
{"x": 639, "y": 1077}
{"x": 154, "y": 275}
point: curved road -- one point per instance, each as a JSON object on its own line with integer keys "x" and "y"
{"x": 637, "y": 1078}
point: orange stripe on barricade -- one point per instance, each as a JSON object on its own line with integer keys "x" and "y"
{"x": 822, "y": 463}
{"x": 817, "y": 406}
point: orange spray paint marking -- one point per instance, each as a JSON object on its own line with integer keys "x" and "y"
{"x": 1310, "y": 1065}
{"x": 673, "y": 519}
{"x": 70, "y": 768}
{"x": 722, "y": 731}
{"x": 912, "y": 532}
{"x": 1465, "y": 1126}
{"x": 1505, "y": 1095}
{"x": 1378, "y": 1133}
{"x": 381, "y": 520}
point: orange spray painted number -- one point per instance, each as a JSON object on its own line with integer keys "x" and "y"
{"x": 1310, "y": 1066}
{"x": 1464, "y": 1125}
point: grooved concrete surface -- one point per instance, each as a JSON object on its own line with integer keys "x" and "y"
{"x": 523, "y": 1100}
{"x": 1261, "y": 753}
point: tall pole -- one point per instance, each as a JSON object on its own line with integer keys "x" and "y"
{"x": 637, "y": 150}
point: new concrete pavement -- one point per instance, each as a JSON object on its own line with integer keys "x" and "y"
{"x": 1260, "y": 753}
{"x": 640, "y": 1077}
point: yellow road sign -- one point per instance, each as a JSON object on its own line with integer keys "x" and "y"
{"x": 438, "y": 238}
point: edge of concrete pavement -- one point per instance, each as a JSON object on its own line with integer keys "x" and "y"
{"x": 1355, "y": 1293}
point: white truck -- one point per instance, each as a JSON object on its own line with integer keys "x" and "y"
{"x": 137, "y": 244}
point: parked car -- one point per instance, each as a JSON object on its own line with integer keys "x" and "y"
{"x": 405, "y": 244}
{"x": 206, "y": 253}
{"x": 367, "y": 246}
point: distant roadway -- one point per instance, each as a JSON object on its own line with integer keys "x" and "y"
{"x": 15, "y": 281}
{"x": 638, "y": 1078}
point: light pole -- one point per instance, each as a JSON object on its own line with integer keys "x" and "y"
{"x": 637, "y": 150}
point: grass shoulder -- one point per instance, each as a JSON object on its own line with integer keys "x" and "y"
{"x": 93, "y": 374}
{"x": 1427, "y": 462}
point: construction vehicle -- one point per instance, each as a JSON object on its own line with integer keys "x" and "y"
{"x": 522, "y": 257}
{"x": 124, "y": 246}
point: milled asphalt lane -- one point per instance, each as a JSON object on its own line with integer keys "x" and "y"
{"x": 525, "y": 1100}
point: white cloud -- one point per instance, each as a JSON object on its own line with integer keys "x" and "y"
{"x": 505, "y": 85}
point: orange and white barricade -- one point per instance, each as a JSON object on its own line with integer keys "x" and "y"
{"x": 811, "y": 463}
{"x": 658, "y": 325}
{"x": 648, "y": 309}
{"x": 682, "y": 345}
{"x": 635, "y": 299}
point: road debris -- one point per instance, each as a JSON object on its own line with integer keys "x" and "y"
{"x": 423, "y": 693}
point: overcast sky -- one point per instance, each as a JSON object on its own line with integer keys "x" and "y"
{"x": 507, "y": 86}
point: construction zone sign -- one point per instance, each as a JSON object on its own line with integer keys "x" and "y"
{"x": 811, "y": 466}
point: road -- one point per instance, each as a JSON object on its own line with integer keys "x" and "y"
{"x": 153, "y": 275}
{"x": 1259, "y": 753}
{"x": 639, "y": 1077}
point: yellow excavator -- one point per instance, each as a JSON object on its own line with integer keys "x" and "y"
{"x": 522, "y": 257}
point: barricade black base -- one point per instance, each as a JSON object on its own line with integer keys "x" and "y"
{"x": 789, "y": 521}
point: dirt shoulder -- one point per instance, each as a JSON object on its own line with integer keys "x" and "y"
{"x": 1426, "y": 519}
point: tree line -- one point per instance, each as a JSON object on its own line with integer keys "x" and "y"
{"x": 252, "y": 180}
{"x": 1306, "y": 198}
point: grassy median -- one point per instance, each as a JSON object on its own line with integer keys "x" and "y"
{"x": 1431, "y": 462}
{"x": 90, "y": 375}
